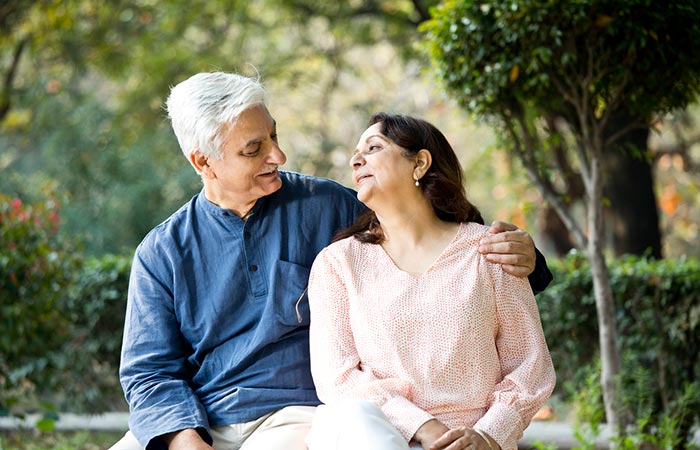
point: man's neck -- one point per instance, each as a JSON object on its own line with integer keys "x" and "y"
{"x": 242, "y": 209}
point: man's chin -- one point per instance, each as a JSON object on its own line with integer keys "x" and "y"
{"x": 272, "y": 186}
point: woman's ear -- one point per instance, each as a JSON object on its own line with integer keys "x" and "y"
{"x": 201, "y": 164}
{"x": 423, "y": 161}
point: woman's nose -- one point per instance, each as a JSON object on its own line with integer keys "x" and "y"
{"x": 357, "y": 160}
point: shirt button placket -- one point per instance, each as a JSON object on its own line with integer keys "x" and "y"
{"x": 256, "y": 277}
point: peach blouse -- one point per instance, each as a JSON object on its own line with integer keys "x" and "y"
{"x": 461, "y": 343}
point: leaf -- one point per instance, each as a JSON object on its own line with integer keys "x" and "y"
{"x": 46, "y": 425}
{"x": 603, "y": 21}
{"x": 514, "y": 73}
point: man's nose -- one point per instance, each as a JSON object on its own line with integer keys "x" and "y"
{"x": 277, "y": 156}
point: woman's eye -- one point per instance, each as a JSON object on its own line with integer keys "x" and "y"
{"x": 374, "y": 148}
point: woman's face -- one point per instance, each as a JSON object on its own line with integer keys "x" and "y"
{"x": 381, "y": 172}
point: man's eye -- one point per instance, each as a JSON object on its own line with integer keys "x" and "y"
{"x": 274, "y": 137}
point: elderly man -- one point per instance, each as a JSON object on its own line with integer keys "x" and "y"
{"x": 215, "y": 351}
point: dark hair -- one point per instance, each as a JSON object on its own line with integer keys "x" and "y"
{"x": 442, "y": 184}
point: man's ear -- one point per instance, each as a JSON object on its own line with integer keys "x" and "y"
{"x": 423, "y": 161}
{"x": 201, "y": 164}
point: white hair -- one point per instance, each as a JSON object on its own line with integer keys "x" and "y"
{"x": 199, "y": 106}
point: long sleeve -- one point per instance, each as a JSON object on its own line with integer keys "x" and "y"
{"x": 153, "y": 369}
{"x": 335, "y": 364}
{"x": 540, "y": 277}
{"x": 528, "y": 376}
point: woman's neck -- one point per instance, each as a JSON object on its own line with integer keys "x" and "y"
{"x": 412, "y": 225}
{"x": 414, "y": 237}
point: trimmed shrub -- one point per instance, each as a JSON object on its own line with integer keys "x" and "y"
{"x": 37, "y": 270}
{"x": 658, "y": 319}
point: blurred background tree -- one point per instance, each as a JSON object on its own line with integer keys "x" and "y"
{"x": 574, "y": 91}
{"x": 82, "y": 84}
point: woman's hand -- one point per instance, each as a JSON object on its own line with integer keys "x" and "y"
{"x": 464, "y": 438}
{"x": 429, "y": 432}
{"x": 511, "y": 247}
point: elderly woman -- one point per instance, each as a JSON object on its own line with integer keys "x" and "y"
{"x": 417, "y": 341}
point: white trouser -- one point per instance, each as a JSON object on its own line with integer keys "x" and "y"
{"x": 285, "y": 429}
{"x": 352, "y": 425}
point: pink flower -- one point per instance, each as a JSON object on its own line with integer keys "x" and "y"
{"x": 16, "y": 204}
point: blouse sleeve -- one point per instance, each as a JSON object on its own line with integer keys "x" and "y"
{"x": 527, "y": 372}
{"x": 335, "y": 364}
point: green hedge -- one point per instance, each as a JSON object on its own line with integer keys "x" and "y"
{"x": 658, "y": 318}
{"x": 36, "y": 273}
{"x": 62, "y": 318}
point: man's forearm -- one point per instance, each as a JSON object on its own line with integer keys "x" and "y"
{"x": 188, "y": 439}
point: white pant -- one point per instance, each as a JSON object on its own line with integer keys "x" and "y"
{"x": 285, "y": 429}
{"x": 352, "y": 425}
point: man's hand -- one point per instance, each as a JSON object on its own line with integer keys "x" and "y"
{"x": 511, "y": 247}
{"x": 188, "y": 439}
{"x": 429, "y": 432}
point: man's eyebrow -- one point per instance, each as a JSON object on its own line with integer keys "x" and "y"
{"x": 258, "y": 140}
{"x": 253, "y": 141}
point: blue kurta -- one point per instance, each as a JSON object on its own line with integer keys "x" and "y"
{"x": 214, "y": 331}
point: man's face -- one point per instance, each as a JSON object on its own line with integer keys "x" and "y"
{"x": 250, "y": 156}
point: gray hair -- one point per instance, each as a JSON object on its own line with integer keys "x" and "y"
{"x": 199, "y": 106}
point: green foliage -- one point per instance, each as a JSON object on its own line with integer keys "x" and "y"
{"x": 36, "y": 271}
{"x": 96, "y": 309}
{"x": 58, "y": 440}
{"x": 503, "y": 55}
{"x": 588, "y": 400}
{"x": 658, "y": 317}
{"x": 665, "y": 431}
{"x": 62, "y": 317}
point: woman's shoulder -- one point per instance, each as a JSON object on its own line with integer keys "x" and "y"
{"x": 470, "y": 231}
{"x": 344, "y": 247}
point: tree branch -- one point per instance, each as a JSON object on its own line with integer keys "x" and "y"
{"x": 541, "y": 182}
{"x": 5, "y": 101}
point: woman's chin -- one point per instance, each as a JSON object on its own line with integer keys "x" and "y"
{"x": 363, "y": 195}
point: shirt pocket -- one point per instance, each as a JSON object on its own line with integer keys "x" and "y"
{"x": 291, "y": 300}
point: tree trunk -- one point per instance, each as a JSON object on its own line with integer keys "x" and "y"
{"x": 605, "y": 303}
{"x": 629, "y": 185}
{"x": 555, "y": 232}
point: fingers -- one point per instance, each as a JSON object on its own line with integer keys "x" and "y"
{"x": 514, "y": 250}
{"x": 516, "y": 236}
{"x": 513, "y": 243}
{"x": 517, "y": 271}
{"x": 498, "y": 226}
{"x": 457, "y": 438}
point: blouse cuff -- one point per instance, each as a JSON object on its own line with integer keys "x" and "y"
{"x": 503, "y": 424}
{"x": 405, "y": 416}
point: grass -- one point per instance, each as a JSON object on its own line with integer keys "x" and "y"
{"x": 58, "y": 440}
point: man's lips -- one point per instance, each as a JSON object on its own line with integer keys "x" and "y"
{"x": 272, "y": 173}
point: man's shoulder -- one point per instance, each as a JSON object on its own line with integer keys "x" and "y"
{"x": 168, "y": 230}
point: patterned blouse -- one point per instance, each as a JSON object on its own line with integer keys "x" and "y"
{"x": 462, "y": 342}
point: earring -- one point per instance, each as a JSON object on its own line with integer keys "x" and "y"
{"x": 417, "y": 183}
